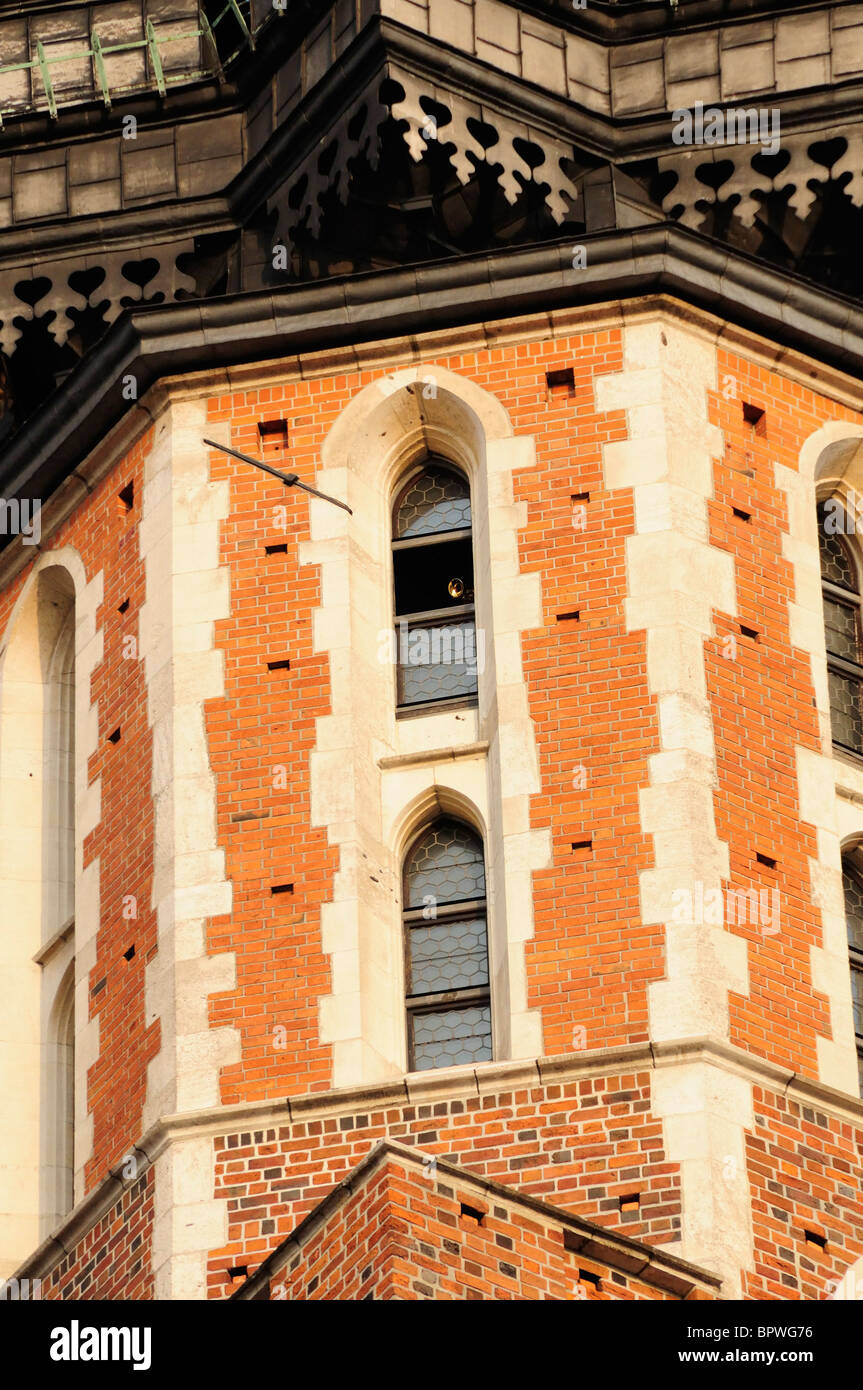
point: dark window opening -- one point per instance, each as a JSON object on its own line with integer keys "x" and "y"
{"x": 433, "y": 578}
{"x": 755, "y": 417}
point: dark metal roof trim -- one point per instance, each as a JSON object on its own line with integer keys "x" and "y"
{"x": 381, "y": 41}
{"x": 196, "y": 335}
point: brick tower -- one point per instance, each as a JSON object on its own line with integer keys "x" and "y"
{"x": 446, "y": 882}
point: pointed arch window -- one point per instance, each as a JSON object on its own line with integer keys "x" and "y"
{"x": 840, "y": 585}
{"x": 433, "y": 577}
{"x": 446, "y": 949}
{"x": 852, "y": 882}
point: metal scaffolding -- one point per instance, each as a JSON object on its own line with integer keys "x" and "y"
{"x": 235, "y": 15}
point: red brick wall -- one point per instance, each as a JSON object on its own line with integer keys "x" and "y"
{"x": 762, "y": 702}
{"x": 582, "y": 1145}
{"x": 261, "y": 734}
{"x": 115, "y": 1258}
{"x": 590, "y": 960}
{"x": 403, "y": 1236}
{"x": 591, "y": 767}
{"x": 806, "y": 1174}
{"x": 123, "y": 840}
{"x": 595, "y": 720}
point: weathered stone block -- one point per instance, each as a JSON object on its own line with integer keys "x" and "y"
{"x": 148, "y": 173}
{"x": 802, "y": 36}
{"x": 94, "y": 162}
{"x": 208, "y": 175}
{"x": 683, "y": 95}
{"x": 95, "y": 197}
{"x": 452, "y": 22}
{"x": 587, "y": 63}
{"x": 497, "y": 24}
{"x": 803, "y": 72}
{"x": 499, "y": 58}
{"x": 319, "y": 52}
{"x": 847, "y": 50}
{"x": 691, "y": 55}
{"x": 638, "y": 87}
{"x": 543, "y": 60}
{"x": 747, "y": 70}
{"x": 40, "y": 194}
{"x": 210, "y": 139}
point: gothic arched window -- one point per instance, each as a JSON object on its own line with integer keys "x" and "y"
{"x": 446, "y": 949}
{"x": 434, "y": 588}
{"x": 840, "y": 585}
{"x": 852, "y": 883}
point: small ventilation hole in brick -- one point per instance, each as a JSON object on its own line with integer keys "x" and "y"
{"x": 561, "y": 379}
{"x": 631, "y": 1202}
{"x": 813, "y": 1238}
{"x": 755, "y": 416}
{"x": 741, "y": 514}
{"x": 114, "y": 737}
{"x": 126, "y": 498}
{"x": 127, "y": 955}
{"x": 273, "y": 433}
{"x": 281, "y": 888}
{"x": 766, "y": 861}
{"x": 124, "y": 606}
{"x": 570, "y": 616}
{"x": 282, "y": 665}
{"x": 237, "y": 1273}
{"x": 579, "y": 497}
{"x": 587, "y": 1276}
{"x": 582, "y": 846}
{"x": 280, "y": 549}
{"x": 749, "y": 632}
{"x": 470, "y": 1213}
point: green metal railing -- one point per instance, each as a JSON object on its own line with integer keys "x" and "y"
{"x": 213, "y": 63}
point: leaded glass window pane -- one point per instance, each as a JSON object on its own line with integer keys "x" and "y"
{"x": 452, "y": 1037}
{"x": 853, "y": 909}
{"x": 449, "y": 1012}
{"x": 445, "y": 866}
{"x": 448, "y": 955}
{"x": 436, "y": 501}
{"x": 437, "y": 663}
{"x": 845, "y": 710}
{"x": 857, "y": 999}
{"x": 836, "y": 566}
{"x": 840, "y": 623}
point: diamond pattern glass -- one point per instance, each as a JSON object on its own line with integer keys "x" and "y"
{"x": 445, "y": 866}
{"x": 436, "y": 501}
{"x": 452, "y": 1037}
{"x": 448, "y": 955}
